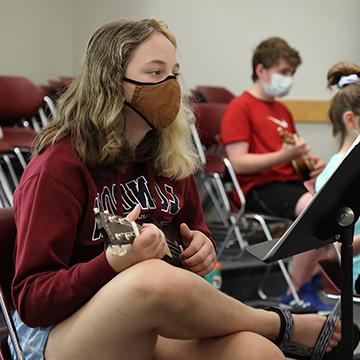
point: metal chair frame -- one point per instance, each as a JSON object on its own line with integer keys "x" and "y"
{"x": 235, "y": 221}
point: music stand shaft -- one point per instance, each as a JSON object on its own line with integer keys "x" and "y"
{"x": 346, "y": 239}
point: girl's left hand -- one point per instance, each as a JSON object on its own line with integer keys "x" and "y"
{"x": 318, "y": 166}
{"x": 199, "y": 255}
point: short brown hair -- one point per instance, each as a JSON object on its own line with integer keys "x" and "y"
{"x": 270, "y": 51}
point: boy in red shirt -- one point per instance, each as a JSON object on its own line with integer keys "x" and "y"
{"x": 251, "y": 131}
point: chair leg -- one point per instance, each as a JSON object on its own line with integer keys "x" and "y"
{"x": 10, "y": 325}
{"x": 234, "y": 228}
{"x": 214, "y": 200}
{"x": 337, "y": 253}
{"x": 260, "y": 289}
{"x": 234, "y": 219}
{"x": 35, "y": 125}
{"x": 51, "y": 105}
{"x": 11, "y": 169}
{"x": 43, "y": 117}
{"x": 281, "y": 264}
{"x": 289, "y": 282}
{"x": 4, "y": 202}
{"x": 20, "y": 156}
{"x": 6, "y": 187}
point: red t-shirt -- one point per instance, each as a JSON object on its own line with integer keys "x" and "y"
{"x": 60, "y": 261}
{"x": 255, "y": 121}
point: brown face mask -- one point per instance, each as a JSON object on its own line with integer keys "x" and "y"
{"x": 157, "y": 103}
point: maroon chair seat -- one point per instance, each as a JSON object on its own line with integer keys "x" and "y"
{"x": 18, "y": 137}
{"x": 20, "y": 103}
{"x": 214, "y": 163}
{"x": 4, "y": 146}
{"x": 208, "y": 120}
{"x": 19, "y": 98}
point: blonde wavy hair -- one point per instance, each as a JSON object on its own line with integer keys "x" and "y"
{"x": 91, "y": 110}
{"x": 346, "y": 99}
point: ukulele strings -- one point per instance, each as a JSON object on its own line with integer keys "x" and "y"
{"x": 175, "y": 250}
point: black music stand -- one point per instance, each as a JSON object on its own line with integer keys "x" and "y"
{"x": 329, "y": 217}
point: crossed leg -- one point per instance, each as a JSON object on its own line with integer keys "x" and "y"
{"x": 140, "y": 313}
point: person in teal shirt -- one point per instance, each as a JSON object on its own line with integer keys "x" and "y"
{"x": 344, "y": 115}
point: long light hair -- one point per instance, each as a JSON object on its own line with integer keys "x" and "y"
{"x": 91, "y": 111}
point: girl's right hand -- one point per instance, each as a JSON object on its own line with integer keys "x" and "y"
{"x": 149, "y": 244}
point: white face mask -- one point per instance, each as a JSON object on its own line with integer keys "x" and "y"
{"x": 278, "y": 86}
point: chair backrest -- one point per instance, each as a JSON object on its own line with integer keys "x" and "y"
{"x": 208, "y": 119}
{"x": 7, "y": 243}
{"x": 19, "y": 98}
{"x": 217, "y": 94}
{"x": 331, "y": 278}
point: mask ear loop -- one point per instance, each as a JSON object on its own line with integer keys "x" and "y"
{"x": 140, "y": 114}
{"x": 140, "y": 83}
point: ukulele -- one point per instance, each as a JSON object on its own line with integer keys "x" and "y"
{"x": 302, "y": 165}
{"x": 120, "y": 233}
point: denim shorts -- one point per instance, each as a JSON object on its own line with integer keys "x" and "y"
{"x": 32, "y": 340}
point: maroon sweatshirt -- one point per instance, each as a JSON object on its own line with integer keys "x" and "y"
{"x": 60, "y": 260}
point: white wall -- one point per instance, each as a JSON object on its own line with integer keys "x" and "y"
{"x": 46, "y": 38}
{"x": 36, "y": 38}
{"x": 216, "y": 40}
{"x": 42, "y": 39}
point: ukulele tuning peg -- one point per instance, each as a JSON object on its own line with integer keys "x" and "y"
{"x": 96, "y": 210}
{"x": 129, "y": 235}
{"x": 106, "y": 212}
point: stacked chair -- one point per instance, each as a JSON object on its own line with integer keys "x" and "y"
{"x": 23, "y": 112}
{"x": 54, "y": 88}
{"x": 212, "y": 94}
{"x": 21, "y": 117}
{"x": 331, "y": 277}
{"x": 7, "y": 243}
{"x": 217, "y": 180}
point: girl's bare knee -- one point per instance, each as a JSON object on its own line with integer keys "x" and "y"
{"x": 155, "y": 281}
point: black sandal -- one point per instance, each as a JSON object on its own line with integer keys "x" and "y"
{"x": 300, "y": 351}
